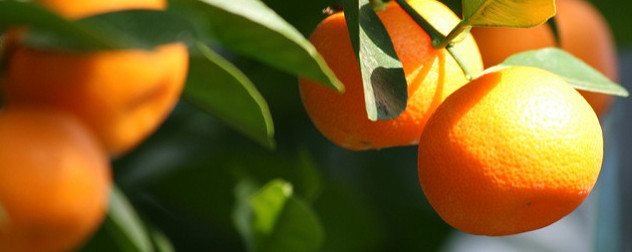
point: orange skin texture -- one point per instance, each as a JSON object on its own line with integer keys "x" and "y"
{"x": 54, "y": 180}
{"x": 74, "y": 9}
{"x": 513, "y": 151}
{"x": 583, "y": 32}
{"x": 431, "y": 75}
{"x": 123, "y": 95}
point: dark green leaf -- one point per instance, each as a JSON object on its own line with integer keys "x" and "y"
{"x": 14, "y": 13}
{"x": 220, "y": 89}
{"x": 384, "y": 81}
{"x": 125, "y": 226}
{"x": 273, "y": 220}
{"x": 579, "y": 74}
{"x": 129, "y": 29}
{"x": 114, "y": 30}
{"x": 251, "y": 28}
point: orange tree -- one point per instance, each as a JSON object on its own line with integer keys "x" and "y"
{"x": 218, "y": 174}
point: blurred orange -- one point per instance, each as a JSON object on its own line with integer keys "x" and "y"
{"x": 54, "y": 180}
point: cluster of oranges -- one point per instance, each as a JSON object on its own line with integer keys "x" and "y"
{"x": 513, "y": 150}
{"x": 65, "y": 115}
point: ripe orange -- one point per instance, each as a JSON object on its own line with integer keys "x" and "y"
{"x": 513, "y": 151}
{"x": 123, "y": 95}
{"x": 54, "y": 180}
{"x": 431, "y": 75}
{"x": 583, "y": 32}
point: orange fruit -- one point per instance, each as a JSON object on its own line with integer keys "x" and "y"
{"x": 583, "y": 32}
{"x": 54, "y": 180}
{"x": 431, "y": 75}
{"x": 513, "y": 151}
{"x": 123, "y": 95}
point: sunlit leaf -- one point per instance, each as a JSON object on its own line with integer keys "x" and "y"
{"x": 272, "y": 219}
{"x": 579, "y": 74}
{"x": 251, "y": 28}
{"x": 220, "y": 89}
{"x": 511, "y": 13}
{"x": 384, "y": 81}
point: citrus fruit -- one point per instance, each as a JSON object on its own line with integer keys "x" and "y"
{"x": 583, "y": 32}
{"x": 54, "y": 180}
{"x": 123, "y": 95}
{"x": 512, "y": 151}
{"x": 431, "y": 75}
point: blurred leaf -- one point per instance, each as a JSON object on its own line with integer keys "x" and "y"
{"x": 384, "y": 81}
{"x": 114, "y": 30}
{"x": 125, "y": 226}
{"x": 251, "y": 28}
{"x": 160, "y": 241}
{"x": 273, "y": 220}
{"x": 511, "y": 13}
{"x": 579, "y": 74}
{"x": 220, "y": 89}
{"x": 18, "y": 13}
{"x": 128, "y": 29}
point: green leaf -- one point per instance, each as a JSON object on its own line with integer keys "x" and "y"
{"x": 271, "y": 219}
{"x": 128, "y": 29}
{"x": 114, "y": 30}
{"x": 220, "y": 89}
{"x": 511, "y": 13}
{"x": 579, "y": 74}
{"x": 383, "y": 78}
{"x": 17, "y": 13}
{"x": 125, "y": 226}
{"x": 251, "y": 28}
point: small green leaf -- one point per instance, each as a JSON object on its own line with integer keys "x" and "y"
{"x": 251, "y": 28}
{"x": 220, "y": 89}
{"x": 272, "y": 219}
{"x": 384, "y": 81}
{"x": 510, "y": 13}
{"x": 124, "y": 224}
{"x": 579, "y": 74}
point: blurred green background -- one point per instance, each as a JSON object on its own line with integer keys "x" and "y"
{"x": 182, "y": 180}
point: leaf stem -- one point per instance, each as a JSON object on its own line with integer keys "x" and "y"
{"x": 459, "y": 61}
{"x": 454, "y": 33}
{"x": 435, "y": 36}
